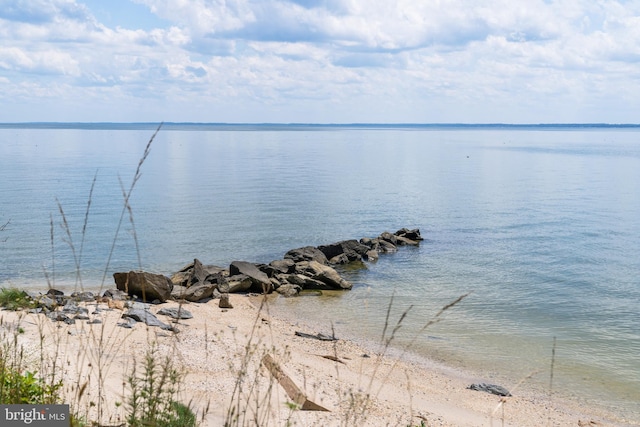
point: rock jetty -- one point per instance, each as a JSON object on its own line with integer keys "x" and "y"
{"x": 300, "y": 269}
{"x": 306, "y": 268}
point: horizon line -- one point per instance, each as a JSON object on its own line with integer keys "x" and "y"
{"x": 175, "y": 125}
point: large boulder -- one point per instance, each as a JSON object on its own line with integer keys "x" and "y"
{"x": 308, "y": 253}
{"x": 305, "y": 282}
{"x": 148, "y": 286}
{"x": 283, "y": 265}
{"x": 237, "y": 283}
{"x": 322, "y": 273}
{"x": 194, "y": 293}
{"x": 409, "y": 234}
{"x": 345, "y": 251}
{"x": 260, "y": 281}
{"x": 196, "y": 273}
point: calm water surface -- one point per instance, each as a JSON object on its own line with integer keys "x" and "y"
{"x": 542, "y": 226}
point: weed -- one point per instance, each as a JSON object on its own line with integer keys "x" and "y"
{"x": 153, "y": 392}
{"x": 19, "y": 384}
{"x": 14, "y": 299}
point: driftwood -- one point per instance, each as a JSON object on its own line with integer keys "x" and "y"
{"x": 293, "y": 391}
{"x": 334, "y": 358}
{"x": 319, "y": 336}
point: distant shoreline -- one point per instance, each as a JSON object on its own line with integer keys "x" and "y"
{"x": 197, "y": 126}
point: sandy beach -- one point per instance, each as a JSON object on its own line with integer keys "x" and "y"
{"x": 217, "y": 347}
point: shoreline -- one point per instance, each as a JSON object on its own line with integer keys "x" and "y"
{"x": 212, "y": 344}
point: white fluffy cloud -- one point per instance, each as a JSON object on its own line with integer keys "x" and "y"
{"x": 324, "y": 60}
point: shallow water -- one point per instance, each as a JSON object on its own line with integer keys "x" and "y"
{"x": 541, "y": 226}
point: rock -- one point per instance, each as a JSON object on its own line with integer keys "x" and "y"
{"x": 58, "y": 316}
{"x": 177, "y": 293}
{"x": 196, "y": 273}
{"x": 289, "y": 290}
{"x": 72, "y": 307}
{"x": 237, "y": 283}
{"x": 401, "y": 240}
{"x": 260, "y": 281}
{"x": 198, "y": 292}
{"x": 490, "y": 388}
{"x": 388, "y": 237}
{"x": 181, "y": 278}
{"x": 372, "y": 255}
{"x": 128, "y": 323}
{"x": 323, "y": 273}
{"x": 308, "y": 253}
{"x": 306, "y": 282}
{"x": 142, "y": 315}
{"x": 115, "y": 294}
{"x": 46, "y": 302}
{"x": 409, "y": 234}
{"x": 224, "y": 301}
{"x": 284, "y": 266}
{"x": 148, "y": 286}
{"x": 176, "y": 312}
{"x": 385, "y": 246}
{"x": 83, "y": 296}
{"x": 344, "y": 252}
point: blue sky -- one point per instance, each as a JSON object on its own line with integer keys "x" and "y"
{"x": 327, "y": 61}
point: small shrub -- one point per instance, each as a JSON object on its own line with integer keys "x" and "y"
{"x": 14, "y": 299}
{"x": 25, "y": 388}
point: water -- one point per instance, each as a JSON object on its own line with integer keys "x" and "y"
{"x": 541, "y": 225}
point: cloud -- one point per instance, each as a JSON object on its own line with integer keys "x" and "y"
{"x": 265, "y": 57}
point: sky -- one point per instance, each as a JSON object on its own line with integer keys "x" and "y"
{"x": 320, "y": 61}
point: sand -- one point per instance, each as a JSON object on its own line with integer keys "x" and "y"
{"x": 354, "y": 383}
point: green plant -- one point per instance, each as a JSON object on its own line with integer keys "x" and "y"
{"x": 25, "y": 387}
{"x": 18, "y": 383}
{"x": 153, "y": 392}
{"x": 14, "y": 299}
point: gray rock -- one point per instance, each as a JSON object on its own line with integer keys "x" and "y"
{"x": 83, "y": 296}
{"x": 178, "y": 291}
{"x": 372, "y": 255}
{"x": 148, "y": 286}
{"x": 46, "y": 302}
{"x": 289, "y": 290}
{"x": 237, "y": 283}
{"x": 181, "y": 278}
{"x": 344, "y": 252}
{"x": 115, "y": 294}
{"x": 224, "y": 301}
{"x": 57, "y": 316}
{"x": 388, "y": 237}
{"x": 409, "y": 234}
{"x": 176, "y": 312}
{"x": 198, "y": 292}
{"x": 490, "y": 388}
{"x": 141, "y": 315}
{"x": 72, "y": 307}
{"x": 260, "y": 281}
{"x": 323, "y": 273}
{"x": 306, "y": 282}
{"x": 401, "y": 240}
{"x": 283, "y": 265}
{"x": 308, "y": 253}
